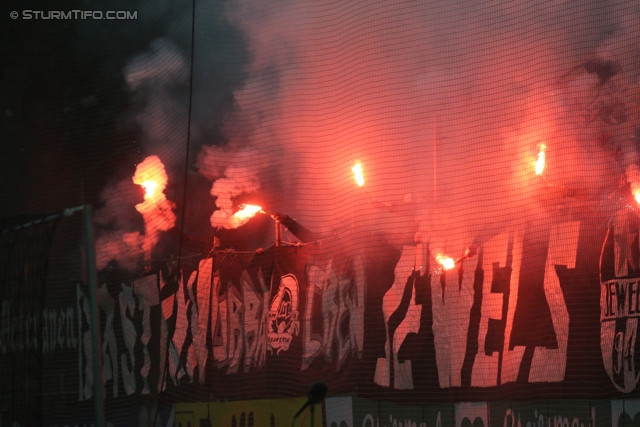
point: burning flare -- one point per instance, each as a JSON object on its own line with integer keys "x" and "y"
{"x": 632, "y": 175}
{"x": 156, "y": 210}
{"x": 542, "y": 159}
{"x": 150, "y": 188}
{"x": 238, "y": 218}
{"x": 247, "y": 212}
{"x": 357, "y": 174}
{"x": 235, "y": 182}
{"x": 446, "y": 262}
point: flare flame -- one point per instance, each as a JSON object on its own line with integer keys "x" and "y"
{"x": 156, "y": 210}
{"x": 238, "y": 218}
{"x": 446, "y": 262}
{"x": 247, "y": 211}
{"x": 542, "y": 159}
{"x": 150, "y": 188}
{"x": 632, "y": 174}
{"x": 357, "y": 174}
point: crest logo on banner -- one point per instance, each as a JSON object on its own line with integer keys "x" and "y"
{"x": 283, "y": 315}
{"x": 620, "y": 300}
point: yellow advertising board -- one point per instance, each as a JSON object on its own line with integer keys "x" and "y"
{"x": 247, "y": 413}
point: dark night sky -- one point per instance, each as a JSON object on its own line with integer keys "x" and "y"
{"x": 62, "y": 99}
{"x": 68, "y": 115}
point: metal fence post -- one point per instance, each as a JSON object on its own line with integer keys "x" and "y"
{"x": 92, "y": 283}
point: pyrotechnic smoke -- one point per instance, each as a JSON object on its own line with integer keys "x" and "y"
{"x": 158, "y": 80}
{"x": 156, "y": 210}
{"x": 159, "y": 77}
{"x": 445, "y": 103}
{"x": 119, "y": 226}
{"x": 121, "y": 243}
{"x": 126, "y": 248}
{"x": 456, "y": 94}
{"x": 236, "y": 181}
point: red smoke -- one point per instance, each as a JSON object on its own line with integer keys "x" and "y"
{"x": 156, "y": 210}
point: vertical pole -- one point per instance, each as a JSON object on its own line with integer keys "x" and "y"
{"x": 92, "y": 283}
{"x": 278, "y": 233}
{"x": 420, "y": 263}
{"x": 312, "y": 414}
{"x": 435, "y": 159}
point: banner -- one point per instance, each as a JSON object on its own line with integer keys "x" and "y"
{"x": 533, "y": 311}
{"x": 544, "y": 313}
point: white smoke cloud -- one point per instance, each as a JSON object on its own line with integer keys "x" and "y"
{"x": 236, "y": 181}
{"x": 159, "y": 77}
